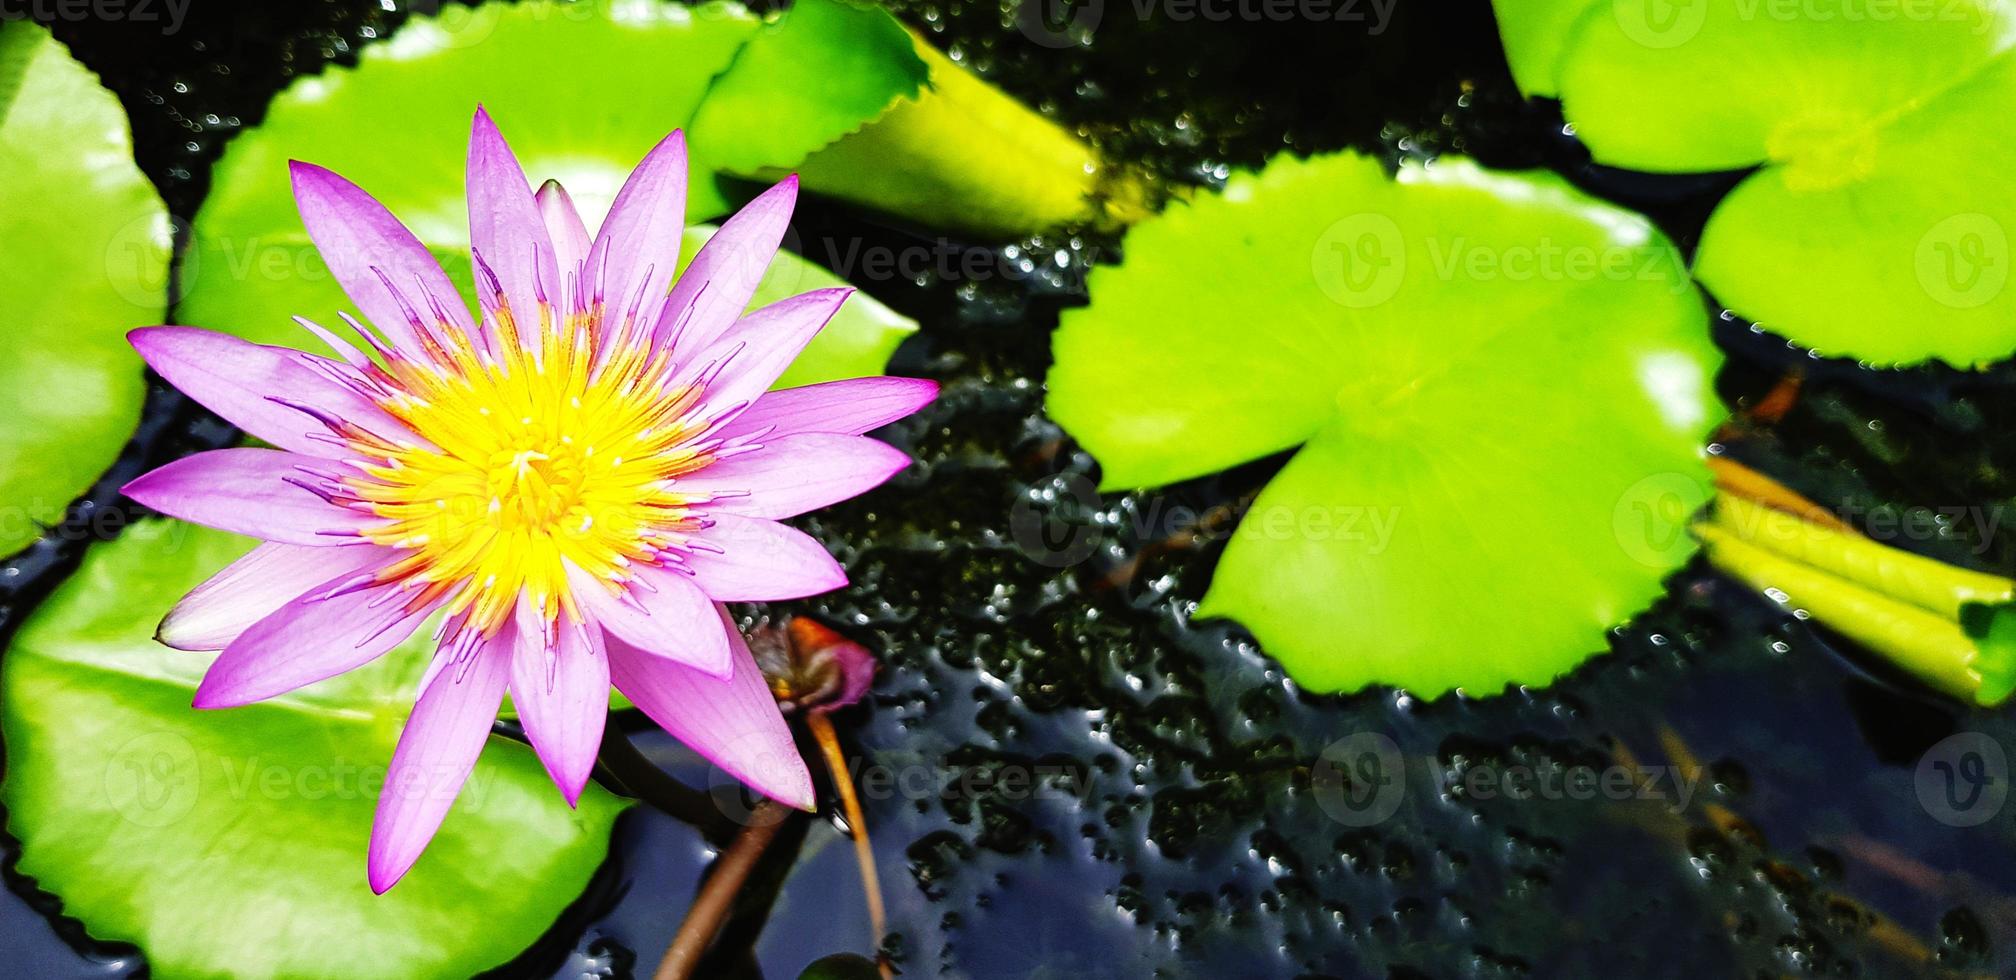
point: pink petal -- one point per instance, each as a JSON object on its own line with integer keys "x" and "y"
{"x": 569, "y": 235}
{"x": 251, "y": 588}
{"x": 309, "y": 639}
{"x": 852, "y": 407}
{"x": 735, "y": 722}
{"x": 563, "y": 700}
{"x": 794, "y": 474}
{"x": 715, "y": 289}
{"x": 667, "y": 615}
{"x": 246, "y": 491}
{"x": 505, "y": 228}
{"x": 750, "y": 357}
{"x": 437, "y": 750}
{"x": 637, "y": 249}
{"x": 359, "y": 239}
{"x": 762, "y": 560}
{"x": 239, "y": 380}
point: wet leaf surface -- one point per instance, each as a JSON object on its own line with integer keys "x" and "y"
{"x": 1496, "y": 389}
{"x": 1865, "y": 131}
{"x": 87, "y": 261}
{"x": 232, "y": 843}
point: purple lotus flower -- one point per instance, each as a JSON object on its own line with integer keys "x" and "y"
{"x": 573, "y": 485}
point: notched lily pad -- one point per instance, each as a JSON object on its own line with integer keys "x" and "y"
{"x": 252, "y": 267}
{"x": 398, "y": 125}
{"x": 70, "y": 387}
{"x": 1878, "y": 226}
{"x": 1499, "y": 385}
{"x": 858, "y": 341}
{"x": 856, "y": 62}
{"x": 239, "y": 836}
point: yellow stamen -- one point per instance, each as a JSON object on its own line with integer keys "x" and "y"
{"x": 505, "y": 497}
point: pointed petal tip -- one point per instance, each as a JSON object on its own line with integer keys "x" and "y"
{"x": 570, "y": 778}
{"x": 208, "y": 698}
{"x": 799, "y": 795}
{"x": 382, "y": 875}
{"x": 301, "y": 172}
{"x": 214, "y": 692}
{"x": 784, "y": 192}
{"x": 152, "y": 341}
{"x": 164, "y": 634}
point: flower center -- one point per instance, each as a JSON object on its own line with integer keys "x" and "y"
{"x": 534, "y": 463}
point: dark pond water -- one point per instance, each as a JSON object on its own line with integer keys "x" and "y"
{"x": 1087, "y": 786}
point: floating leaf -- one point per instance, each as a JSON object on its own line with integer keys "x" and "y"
{"x": 397, "y": 122}
{"x": 953, "y": 152}
{"x": 862, "y": 59}
{"x": 1500, "y": 387}
{"x": 234, "y": 841}
{"x": 398, "y": 125}
{"x": 97, "y": 267}
{"x": 964, "y": 156}
{"x": 859, "y": 340}
{"x": 1870, "y": 231}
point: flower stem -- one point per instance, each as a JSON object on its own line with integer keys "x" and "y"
{"x": 717, "y": 894}
{"x": 1736, "y": 480}
{"x": 836, "y": 763}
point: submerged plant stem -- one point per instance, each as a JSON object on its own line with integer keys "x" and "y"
{"x": 645, "y": 781}
{"x": 1947, "y": 625}
{"x": 836, "y": 763}
{"x": 1932, "y": 648}
{"x": 717, "y": 894}
{"x": 1736, "y": 480}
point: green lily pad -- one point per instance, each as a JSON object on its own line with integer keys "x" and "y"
{"x": 233, "y": 842}
{"x": 1877, "y": 226}
{"x": 251, "y": 266}
{"x": 862, "y": 58}
{"x": 858, "y": 341}
{"x": 1499, "y": 385}
{"x": 99, "y": 267}
{"x": 398, "y": 125}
